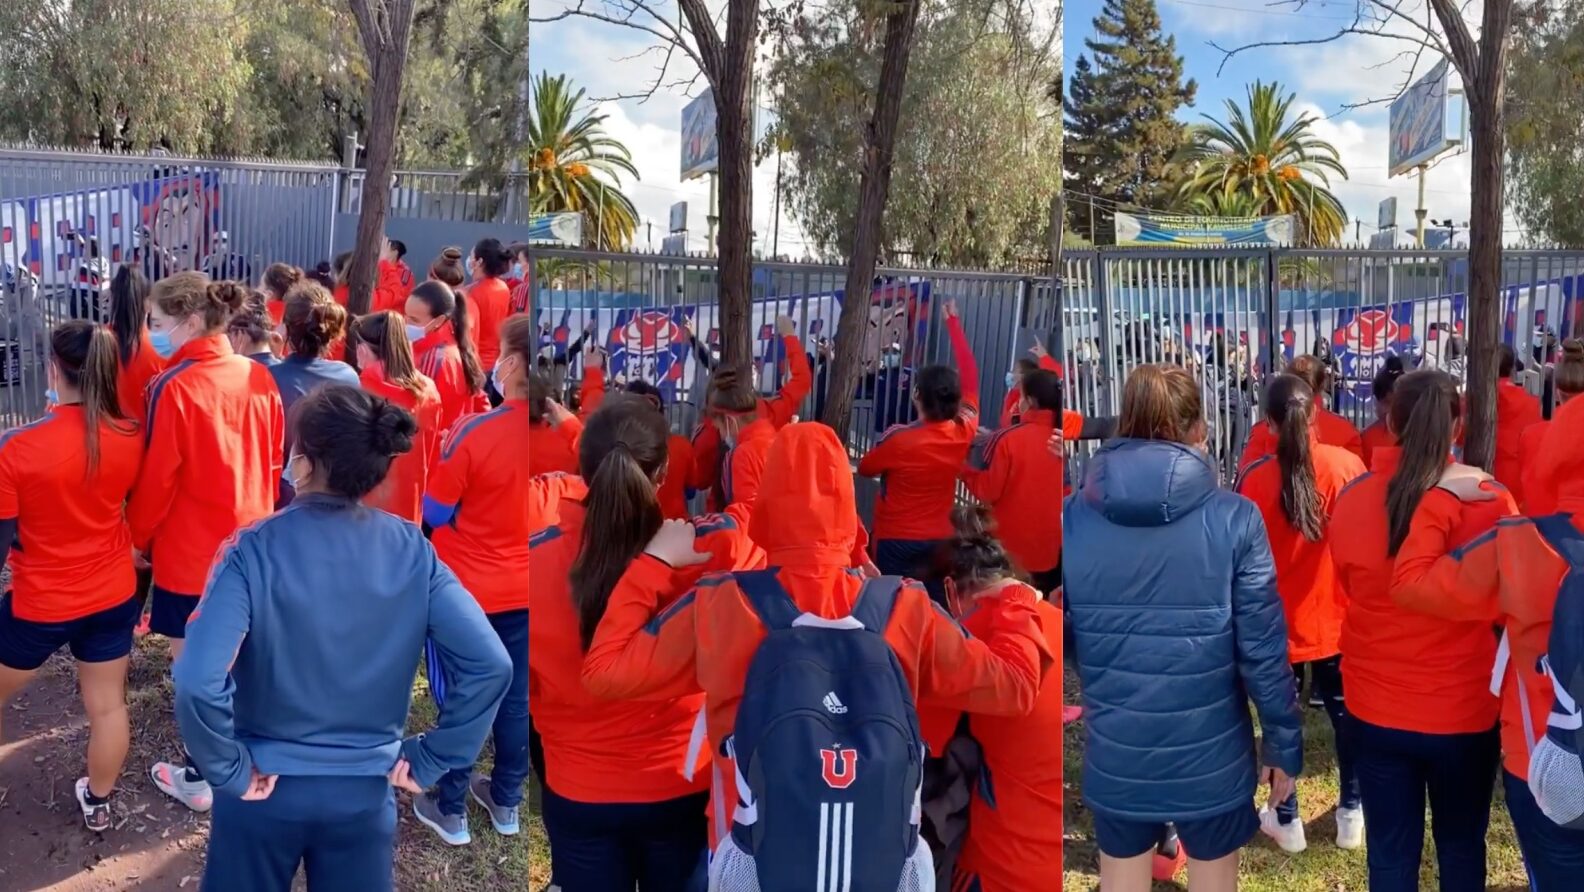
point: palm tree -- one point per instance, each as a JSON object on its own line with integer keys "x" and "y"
{"x": 1260, "y": 161}
{"x": 574, "y": 166}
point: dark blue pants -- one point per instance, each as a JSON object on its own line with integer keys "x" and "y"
{"x": 915, "y": 559}
{"x": 1397, "y": 771}
{"x": 1554, "y": 855}
{"x": 342, "y": 830}
{"x": 511, "y": 727}
{"x": 1326, "y": 677}
{"x": 614, "y": 846}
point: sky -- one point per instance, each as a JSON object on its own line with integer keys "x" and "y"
{"x": 610, "y": 61}
{"x": 1326, "y": 78}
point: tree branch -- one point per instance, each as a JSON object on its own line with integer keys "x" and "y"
{"x": 663, "y": 29}
{"x": 711, "y": 56}
{"x": 368, "y": 31}
{"x": 1463, "y": 50}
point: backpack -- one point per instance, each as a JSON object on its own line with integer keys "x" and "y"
{"x": 828, "y": 754}
{"x": 1556, "y": 775}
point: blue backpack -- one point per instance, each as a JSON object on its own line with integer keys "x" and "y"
{"x": 827, "y": 747}
{"x": 1564, "y": 659}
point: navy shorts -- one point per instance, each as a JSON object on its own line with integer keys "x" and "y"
{"x": 96, "y": 638}
{"x": 168, "y": 612}
{"x": 1204, "y": 839}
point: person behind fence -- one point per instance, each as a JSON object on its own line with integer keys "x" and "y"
{"x": 387, "y": 370}
{"x": 1516, "y": 411}
{"x": 1295, "y": 491}
{"x": 64, "y": 480}
{"x": 249, "y": 331}
{"x": 212, "y": 463}
{"x": 735, "y": 408}
{"x": 1177, "y": 624}
{"x": 314, "y": 324}
{"x": 1418, "y": 676}
{"x": 624, "y": 799}
{"x": 1332, "y": 429}
{"x": 137, "y": 363}
{"x": 1518, "y": 573}
{"x": 490, "y": 300}
{"x": 1540, "y": 494}
{"x": 918, "y": 464}
{"x": 1016, "y": 478}
{"x": 1014, "y": 832}
{"x": 1379, "y": 435}
{"x": 294, "y": 691}
{"x": 729, "y": 635}
{"x": 478, "y": 507}
{"x": 1022, "y": 368}
{"x": 442, "y": 342}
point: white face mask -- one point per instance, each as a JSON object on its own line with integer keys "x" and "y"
{"x": 297, "y": 482}
{"x": 416, "y": 333}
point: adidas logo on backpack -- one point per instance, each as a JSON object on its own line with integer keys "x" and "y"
{"x": 828, "y": 755}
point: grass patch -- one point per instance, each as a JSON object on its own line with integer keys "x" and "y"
{"x": 1265, "y": 868}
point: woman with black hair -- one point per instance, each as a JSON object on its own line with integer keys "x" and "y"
{"x": 64, "y": 480}
{"x": 440, "y": 330}
{"x": 1295, "y": 490}
{"x": 294, "y": 692}
{"x": 137, "y": 362}
{"x": 1379, "y": 434}
{"x": 491, "y": 301}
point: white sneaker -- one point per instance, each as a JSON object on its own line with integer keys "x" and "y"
{"x": 173, "y": 782}
{"x": 1350, "y": 828}
{"x": 1290, "y": 837}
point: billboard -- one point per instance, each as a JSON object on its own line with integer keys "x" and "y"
{"x": 679, "y": 217}
{"x": 1386, "y": 217}
{"x": 564, "y": 228}
{"x": 1419, "y": 130}
{"x": 1136, "y": 230}
{"x": 700, "y": 151}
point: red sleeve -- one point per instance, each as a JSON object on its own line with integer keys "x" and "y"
{"x": 800, "y": 381}
{"x": 1431, "y": 576}
{"x": 967, "y": 366}
{"x": 591, "y": 394}
{"x": 990, "y": 484}
{"x": 860, "y": 552}
{"x": 388, "y": 291}
{"x": 706, "y": 454}
{"x": 638, "y": 649}
{"x": 997, "y": 674}
{"x": 156, "y": 484}
{"x": 1071, "y": 425}
{"x": 1049, "y": 364}
{"x": 882, "y": 457}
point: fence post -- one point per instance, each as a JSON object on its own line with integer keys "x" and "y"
{"x": 1273, "y": 309}
{"x": 1105, "y": 322}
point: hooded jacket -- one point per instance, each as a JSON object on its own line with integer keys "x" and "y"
{"x": 1177, "y": 625}
{"x": 804, "y": 517}
{"x": 1313, "y": 598}
{"x": 1332, "y": 430}
{"x": 441, "y": 360}
{"x": 1405, "y": 666}
{"x": 1510, "y": 571}
{"x": 212, "y": 463}
{"x": 778, "y": 410}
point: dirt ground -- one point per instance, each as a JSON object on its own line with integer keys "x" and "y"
{"x": 156, "y": 844}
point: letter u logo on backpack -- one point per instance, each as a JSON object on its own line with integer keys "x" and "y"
{"x": 829, "y": 760}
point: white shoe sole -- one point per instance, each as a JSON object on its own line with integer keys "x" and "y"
{"x": 511, "y": 830}
{"x": 440, "y": 831}
{"x": 175, "y": 794}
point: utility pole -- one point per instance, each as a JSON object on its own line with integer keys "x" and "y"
{"x": 1358, "y": 231}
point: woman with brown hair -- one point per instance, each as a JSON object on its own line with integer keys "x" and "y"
{"x": 278, "y": 280}
{"x": 213, "y": 463}
{"x": 388, "y": 370}
{"x": 1332, "y": 429}
{"x": 1177, "y": 625}
{"x": 250, "y": 329}
{"x": 438, "y": 326}
{"x": 315, "y": 324}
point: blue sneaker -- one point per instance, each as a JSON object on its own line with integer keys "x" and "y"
{"x": 503, "y": 817}
{"x": 452, "y": 829}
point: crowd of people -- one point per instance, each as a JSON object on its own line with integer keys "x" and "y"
{"x": 1444, "y": 602}
{"x": 729, "y": 682}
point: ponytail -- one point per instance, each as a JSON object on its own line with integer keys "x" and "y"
{"x": 1424, "y": 413}
{"x": 128, "y": 311}
{"x": 462, "y": 331}
{"x": 385, "y": 333}
{"x": 85, "y": 355}
{"x": 1290, "y": 406}
{"x": 622, "y": 453}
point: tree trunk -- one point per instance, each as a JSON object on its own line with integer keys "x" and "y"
{"x": 733, "y": 92}
{"x": 874, "y": 188}
{"x": 1487, "y": 111}
{"x": 386, "y": 28}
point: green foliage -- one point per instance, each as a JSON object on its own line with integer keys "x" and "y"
{"x": 1122, "y": 133}
{"x": 1262, "y": 161}
{"x": 1545, "y": 114}
{"x": 978, "y": 150}
{"x": 573, "y": 165}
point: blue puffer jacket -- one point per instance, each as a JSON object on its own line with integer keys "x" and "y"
{"x": 1177, "y": 625}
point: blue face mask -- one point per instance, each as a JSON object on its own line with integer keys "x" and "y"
{"x": 1011, "y": 380}
{"x": 416, "y": 333}
{"x": 52, "y": 397}
{"x": 161, "y": 342}
{"x": 517, "y": 271}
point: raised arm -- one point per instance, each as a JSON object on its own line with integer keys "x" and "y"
{"x": 592, "y": 390}
{"x": 800, "y": 378}
{"x": 962, "y": 354}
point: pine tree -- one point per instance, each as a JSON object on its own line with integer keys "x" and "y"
{"x": 1122, "y": 132}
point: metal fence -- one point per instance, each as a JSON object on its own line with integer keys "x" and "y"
{"x": 1236, "y": 317}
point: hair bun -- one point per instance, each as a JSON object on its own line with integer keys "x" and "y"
{"x": 451, "y": 255}
{"x": 392, "y": 430}
{"x": 973, "y": 523}
{"x": 231, "y": 295}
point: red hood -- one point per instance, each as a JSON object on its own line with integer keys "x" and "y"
{"x": 805, "y": 514}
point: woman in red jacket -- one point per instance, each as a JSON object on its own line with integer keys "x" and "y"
{"x": 1332, "y": 429}
{"x": 1516, "y": 411}
{"x": 1567, "y": 382}
{"x": 1379, "y": 434}
{"x": 918, "y": 465}
{"x": 1295, "y": 492}
{"x": 213, "y": 463}
{"x": 1417, "y": 675}
{"x": 491, "y": 301}
{"x": 137, "y": 362}
{"x": 64, "y": 480}
{"x": 1015, "y": 812}
{"x": 439, "y": 329}
{"x": 623, "y": 803}
{"x": 387, "y": 369}
{"x": 279, "y": 279}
